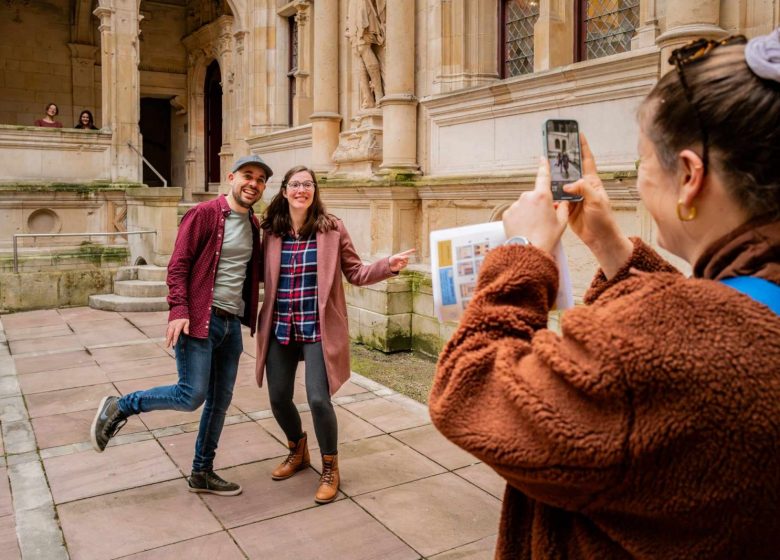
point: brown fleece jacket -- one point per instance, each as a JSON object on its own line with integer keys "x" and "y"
{"x": 649, "y": 429}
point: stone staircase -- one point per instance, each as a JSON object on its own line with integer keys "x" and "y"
{"x": 136, "y": 288}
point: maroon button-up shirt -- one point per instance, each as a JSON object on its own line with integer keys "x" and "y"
{"x": 193, "y": 267}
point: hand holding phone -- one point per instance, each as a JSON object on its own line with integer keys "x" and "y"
{"x": 562, "y": 150}
{"x": 535, "y": 216}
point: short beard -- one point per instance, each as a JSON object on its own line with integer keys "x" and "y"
{"x": 241, "y": 202}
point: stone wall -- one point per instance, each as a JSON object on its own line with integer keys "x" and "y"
{"x": 36, "y": 62}
{"x": 60, "y": 208}
{"x": 43, "y": 155}
{"x": 162, "y": 29}
{"x": 398, "y": 314}
{"x": 54, "y": 289}
{"x": 64, "y": 271}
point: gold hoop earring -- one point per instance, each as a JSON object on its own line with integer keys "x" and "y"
{"x": 688, "y": 217}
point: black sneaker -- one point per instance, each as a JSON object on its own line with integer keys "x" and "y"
{"x": 209, "y": 482}
{"x": 108, "y": 421}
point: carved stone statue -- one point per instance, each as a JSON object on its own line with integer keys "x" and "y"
{"x": 365, "y": 29}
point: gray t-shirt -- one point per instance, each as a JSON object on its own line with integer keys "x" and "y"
{"x": 231, "y": 270}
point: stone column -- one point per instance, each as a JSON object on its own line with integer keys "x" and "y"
{"x": 686, "y": 20}
{"x": 192, "y": 170}
{"x": 647, "y": 32}
{"x": 240, "y": 109}
{"x": 226, "y": 66}
{"x": 467, "y": 36}
{"x": 325, "y": 120}
{"x": 302, "y": 108}
{"x": 82, "y": 58}
{"x": 119, "y": 22}
{"x": 554, "y": 34}
{"x": 399, "y": 105}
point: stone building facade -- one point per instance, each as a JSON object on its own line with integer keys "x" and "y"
{"x": 416, "y": 114}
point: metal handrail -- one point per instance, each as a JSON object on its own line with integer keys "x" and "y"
{"x": 17, "y": 235}
{"x": 146, "y": 161}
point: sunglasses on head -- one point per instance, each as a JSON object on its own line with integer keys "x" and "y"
{"x": 691, "y": 52}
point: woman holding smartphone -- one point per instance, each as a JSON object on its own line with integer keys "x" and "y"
{"x": 648, "y": 428}
{"x": 304, "y": 314}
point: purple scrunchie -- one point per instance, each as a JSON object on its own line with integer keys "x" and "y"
{"x": 762, "y": 54}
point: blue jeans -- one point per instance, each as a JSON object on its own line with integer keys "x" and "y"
{"x": 207, "y": 372}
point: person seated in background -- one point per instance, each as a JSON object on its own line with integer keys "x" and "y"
{"x": 86, "y": 121}
{"x": 649, "y": 427}
{"x": 48, "y": 120}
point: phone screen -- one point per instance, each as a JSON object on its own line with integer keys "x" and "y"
{"x": 562, "y": 148}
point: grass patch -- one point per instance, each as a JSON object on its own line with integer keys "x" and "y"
{"x": 406, "y": 372}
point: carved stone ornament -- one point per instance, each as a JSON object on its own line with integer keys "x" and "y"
{"x": 179, "y": 104}
{"x": 363, "y": 143}
{"x": 119, "y": 218}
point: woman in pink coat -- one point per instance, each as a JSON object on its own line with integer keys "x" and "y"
{"x": 304, "y": 314}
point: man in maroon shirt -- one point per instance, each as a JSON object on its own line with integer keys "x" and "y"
{"x": 213, "y": 287}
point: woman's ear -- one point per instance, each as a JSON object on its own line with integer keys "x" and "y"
{"x": 691, "y": 176}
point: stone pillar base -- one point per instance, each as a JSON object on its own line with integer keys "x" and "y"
{"x": 400, "y": 134}
{"x": 360, "y": 150}
{"x": 324, "y": 140}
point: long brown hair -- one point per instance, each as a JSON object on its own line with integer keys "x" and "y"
{"x": 742, "y": 114}
{"x": 277, "y": 218}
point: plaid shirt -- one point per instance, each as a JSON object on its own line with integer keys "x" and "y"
{"x": 295, "y": 313}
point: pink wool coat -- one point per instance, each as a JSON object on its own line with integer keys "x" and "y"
{"x": 335, "y": 255}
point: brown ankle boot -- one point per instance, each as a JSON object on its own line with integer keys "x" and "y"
{"x": 297, "y": 460}
{"x": 329, "y": 480}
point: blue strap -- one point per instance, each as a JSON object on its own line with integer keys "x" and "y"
{"x": 763, "y": 291}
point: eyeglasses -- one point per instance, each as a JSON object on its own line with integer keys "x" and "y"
{"x": 691, "y": 52}
{"x": 306, "y": 185}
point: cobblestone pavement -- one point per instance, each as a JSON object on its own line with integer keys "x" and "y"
{"x": 406, "y": 491}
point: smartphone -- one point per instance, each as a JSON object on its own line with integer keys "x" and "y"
{"x": 562, "y": 150}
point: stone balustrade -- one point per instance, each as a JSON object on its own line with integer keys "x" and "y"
{"x": 61, "y": 155}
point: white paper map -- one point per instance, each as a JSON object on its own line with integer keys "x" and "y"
{"x": 457, "y": 255}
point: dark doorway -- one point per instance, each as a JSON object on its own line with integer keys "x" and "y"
{"x": 213, "y": 103}
{"x": 155, "y": 128}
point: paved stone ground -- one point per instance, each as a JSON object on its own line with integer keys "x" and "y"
{"x": 406, "y": 491}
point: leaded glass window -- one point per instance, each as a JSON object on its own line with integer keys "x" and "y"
{"x": 607, "y": 27}
{"x": 518, "y": 19}
{"x": 292, "y": 67}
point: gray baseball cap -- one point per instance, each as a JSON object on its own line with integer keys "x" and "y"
{"x": 254, "y": 160}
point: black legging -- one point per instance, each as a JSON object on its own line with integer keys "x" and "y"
{"x": 280, "y": 366}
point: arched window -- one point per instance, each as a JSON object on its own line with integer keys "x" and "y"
{"x": 605, "y": 27}
{"x": 517, "y": 36}
{"x": 557, "y": 144}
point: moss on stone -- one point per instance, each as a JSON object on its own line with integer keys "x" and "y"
{"x": 427, "y": 344}
{"x": 52, "y": 289}
{"x": 417, "y": 279}
{"x": 81, "y": 188}
{"x": 99, "y": 256}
